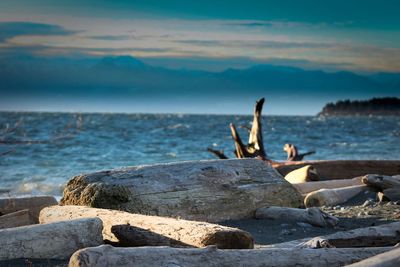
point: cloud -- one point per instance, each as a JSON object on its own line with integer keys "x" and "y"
{"x": 9, "y": 30}
{"x": 257, "y": 44}
{"x": 113, "y": 37}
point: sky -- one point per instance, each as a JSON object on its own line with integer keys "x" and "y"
{"x": 361, "y": 36}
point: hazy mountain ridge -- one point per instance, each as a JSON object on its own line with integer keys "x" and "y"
{"x": 127, "y": 75}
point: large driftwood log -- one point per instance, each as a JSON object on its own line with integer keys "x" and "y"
{"x": 16, "y": 219}
{"x": 343, "y": 169}
{"x": 332, "y": 197}
{"x": 313, "y": 216}
{"x": 388, "y": 185}
{"x": 50, "y": 241}
{"x": 212, "y": 191}
{"x": 164, "y": 256}
{"x": 141, "y": 230}
{"x": 34, "y": 204}
{"x": 376, "y": 236}
{"x": 305, "y": 174}
{"x": 308, "y": 187}
{"x": 387, "y": 259}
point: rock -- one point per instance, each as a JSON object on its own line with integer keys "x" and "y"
{"x": 126, "y": 229}
{"x": 50, "y": 241}
{"x": 193, "y": 190}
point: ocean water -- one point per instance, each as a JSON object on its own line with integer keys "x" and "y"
{"x": 57, "y": 146}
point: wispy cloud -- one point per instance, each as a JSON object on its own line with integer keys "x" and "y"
{"x": 113, "y": 37}
{"x": 9, "y": 30}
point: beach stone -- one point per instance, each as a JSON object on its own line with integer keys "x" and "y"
{"x": 211, "y": 190}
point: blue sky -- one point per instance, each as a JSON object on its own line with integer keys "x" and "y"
{"x": 354, "y": 35}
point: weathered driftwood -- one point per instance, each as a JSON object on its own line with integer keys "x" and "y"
{"x": 376, "y": 236}
{"x": 212, "y": 191}
{"x": 293, "y": 153}
{"x": 15, "y": 219}
{"x": 50, "y": 241}
{"x": 305, "y": 174}
{"x": 386, "y": 259}
{"x": 308, "y": 187}
{"x": 343, "y": 169}
{"x": 128, "y": 229}
{"x": 255, "y": 147}
{"x": 165, "y": 256}
{"x": 313, "y": 216}
{"x": 388, "y": 185}
{"x": 34, "y": 204}
{"x": 332, "y": 197}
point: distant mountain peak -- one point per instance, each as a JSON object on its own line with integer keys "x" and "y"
{"x": 123, "y": 61}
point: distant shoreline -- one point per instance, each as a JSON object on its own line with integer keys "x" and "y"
{"x": 388, "y": 106}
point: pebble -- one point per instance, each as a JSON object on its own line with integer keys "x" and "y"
{"x": 368, "y": 202}
{"x": 336, "y": 207}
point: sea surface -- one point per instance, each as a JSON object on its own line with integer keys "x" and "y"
{"x": 40, "y": 152}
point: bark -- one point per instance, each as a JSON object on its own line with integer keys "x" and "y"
{"x": 305, "y": 174}
{"x": 126, "y": 229}
{"x": 387, "y": 259}
{"x": 33, "y": 204}
{"x": 388, "y": 185}
{"x": 16, "y": 219}
{"x": 376, "y": 236}
{"x": 343, "y": 169}
{"x": 313, "y": 216}
{"x": 211, "y": 191}
{"x": 332, "y": 197}
{"x": 50, "y": 241}
{"x": 308, "y": 187}
{"x": 164, "y": 256}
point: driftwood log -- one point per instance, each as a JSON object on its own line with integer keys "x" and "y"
{"x": 304, "y": 174}
{"x": 342, "y": 169}
{"x": 376, "y": 236}
{"x": 388, "y": 185}
{"x": 293, "y": 153}
{"x": 16, "y": 219}
{"x": 50, "y": 241}
{"x": 387, "y": 259}
{"x": 211, "y": 191}
{"x": 255, "y": 146}
{"x": 313, "y": 216}
{"x": 33, "y": 204}
{"x": 308, "y": 187}
{"x": 165, "y": 256}
{"x": 128, "y": 229}
{"x": 332, "y": 197}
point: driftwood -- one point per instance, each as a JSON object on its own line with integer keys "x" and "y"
{"x": 305, "y": 174}
{"x": 313, "y": 216}
{"x": 387, "y": 259}
{"x": 308, "y": 187}
{"x": 50, "y": 241}
{"x": 388, "y": 185}
{"x": 293, "y": 153}
{"x": 376, "y": 236}
{"x": 193, "y": 190}
{"x": 332, "y": 197}
{"x": 342, "y": 169}
{"x": 165, "y": 256}
{"x": 255, "y": 146}
{"x": 128, "y": 229}
{"x": 33, "y": 204}
{"x": 15, "y": 219}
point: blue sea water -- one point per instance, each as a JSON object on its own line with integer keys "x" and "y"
{"x": 71, "y": 144}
